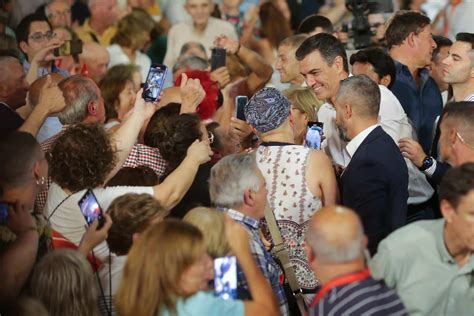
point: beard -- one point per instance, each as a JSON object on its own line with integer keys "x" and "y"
{"x": 342, "y": 133}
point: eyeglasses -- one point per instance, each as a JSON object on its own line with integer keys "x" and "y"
{"x": 210, "y": 136}
{"x": 59, "y": 13}
{"x": 39, "y": 37}
{"x": 463, "y": 141}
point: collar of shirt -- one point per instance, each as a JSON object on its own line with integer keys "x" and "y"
{"x": 404, "y": 73}
{"x": 441, "y": 245}
{"x": 470, "y": 98}
{"x": 240, "y": 217}
{"x": 8, "y": 107}
{"x": 86, "y": 26}
{"x": 356, "y": 141}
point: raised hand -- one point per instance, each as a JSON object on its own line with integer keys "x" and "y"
{"x": 231, "y": 46}
{"x": 51, "y": 97}
{"x": 221, "y": 75}
{"x": 94, "y": 236}
{"x": 412, "y": 150}
{"x": 192, "y": 93}
{"x": 200, "y": 151}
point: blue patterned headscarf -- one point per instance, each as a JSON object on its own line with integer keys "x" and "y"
{"x": 267, "y": 110}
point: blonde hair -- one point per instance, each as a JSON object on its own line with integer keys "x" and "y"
{"x": 154, "y": 267}
{"x": 211, "y": 223}
{"x": 304, "y": 100}
{"x": 131, "y": 213}
{"x": 63, "y": 281}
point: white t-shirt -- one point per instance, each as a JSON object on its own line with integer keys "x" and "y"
{"x": 113, "y": 274}
{"x": 68, "y": 220}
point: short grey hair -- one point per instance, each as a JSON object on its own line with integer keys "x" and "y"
{"x": 191, "y": 63}
{"x": 362, "y": 93}
{"x": 331, "y": 251}
{"x": 230, "y": 177}
{"x": 78, "y": 91}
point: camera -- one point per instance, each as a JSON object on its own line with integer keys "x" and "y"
{"x": 360, "y": 31}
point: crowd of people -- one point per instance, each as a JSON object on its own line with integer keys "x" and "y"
{"x": 113, "y": 202}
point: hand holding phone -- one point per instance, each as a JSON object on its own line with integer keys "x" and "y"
{"x": 218, "y": 58}
{"x": 154, "y": 82}
{"x": 91, "y": 209}
{"x": 240, "y": 102}
{"x": 71, "y": 47}
{"x": 225, "y": 277}
{"x": 4, "y": 212}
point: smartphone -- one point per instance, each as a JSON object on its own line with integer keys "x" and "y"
{"x": 154, "y": 82}
{"x": 225, "y": 277}
{"x": 314, "y": 135}
{"x": 4, "y": 212}
{"x": 218, "y": 56}
{"x": 69, "y": 48}
{"x": 240, "y": 102}
{"x": 91, "y": 209}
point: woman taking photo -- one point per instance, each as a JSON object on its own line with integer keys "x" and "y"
{"x": 168, "y": 271}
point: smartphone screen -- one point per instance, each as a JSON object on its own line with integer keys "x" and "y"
{"x": 90, "y": 208}
{"x": 69, "y": 48}
{"x": 240, "y": 102}
{"x": 154, "y": 82}
{"x": 218, "y": 56}
{"x": 4, "y": 212}
{"x": 225, "y": 277}
{"x": 314, "y": 135}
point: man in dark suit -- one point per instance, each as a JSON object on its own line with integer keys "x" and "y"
{"x": 375, "y": 182}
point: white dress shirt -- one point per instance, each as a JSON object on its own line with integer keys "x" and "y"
{"x": 333, "y": 145}
{"x": 355, "y": 143}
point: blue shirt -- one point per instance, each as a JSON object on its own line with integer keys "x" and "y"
{"x": 264, "y": 260}
{"x": 422, "y": 105}
{"x": 42, "y": 71}
{"x": 203, "y": 303}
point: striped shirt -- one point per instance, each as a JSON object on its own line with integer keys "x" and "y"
{"x": 264, "y": 261}
{"x": 361, "y": 297}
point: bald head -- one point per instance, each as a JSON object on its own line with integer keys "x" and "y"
{"x": 96, "y": 58}
{"x": 335, "y": 235}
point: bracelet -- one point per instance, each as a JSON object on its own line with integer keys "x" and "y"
{"x": 237, "y": 51}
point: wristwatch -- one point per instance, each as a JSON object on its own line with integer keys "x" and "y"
{"x": 427, "y": 162}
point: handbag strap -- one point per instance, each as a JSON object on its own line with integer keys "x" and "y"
{"x": 282, "y": 254}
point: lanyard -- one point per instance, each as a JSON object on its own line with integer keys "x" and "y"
{"x": 342, "y": 280}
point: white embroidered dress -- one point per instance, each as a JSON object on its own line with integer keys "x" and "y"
{"x": 284, "y": 169}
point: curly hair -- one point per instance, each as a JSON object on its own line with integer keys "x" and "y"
{"x": 82, "y": 157}
{"x": 131, "y": 213}
{"x": 172, "y": 134}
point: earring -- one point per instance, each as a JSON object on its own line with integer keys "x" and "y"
{"x": 41, "y": 181}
